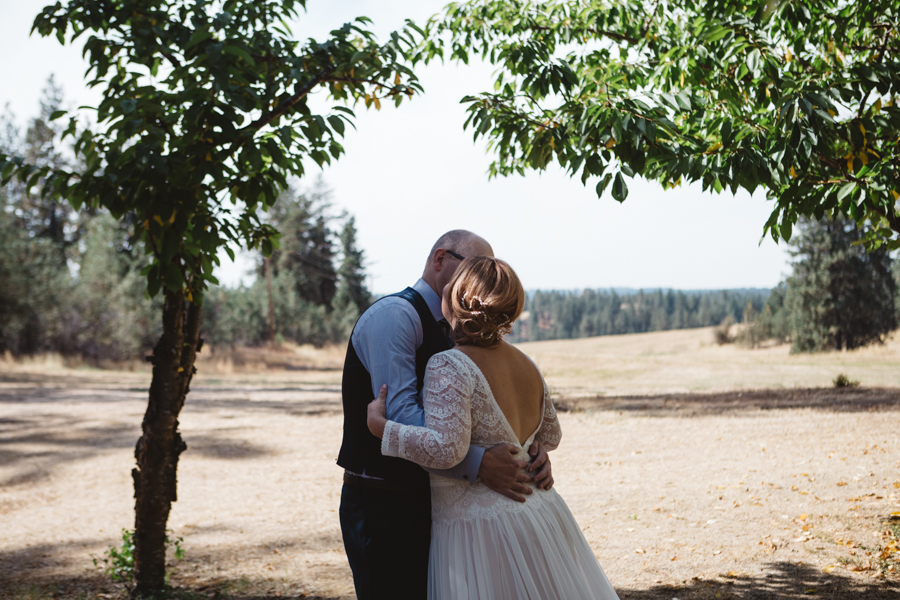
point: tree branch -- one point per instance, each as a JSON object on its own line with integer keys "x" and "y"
{"x": 299, "y": 93}
{"x": 610, "y": 34}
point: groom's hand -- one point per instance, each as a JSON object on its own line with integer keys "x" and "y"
{"x": 540, "y": 466}
{"x": 503, "y": 473}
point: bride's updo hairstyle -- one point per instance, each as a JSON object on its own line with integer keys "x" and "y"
{"x": 486, "y": 297}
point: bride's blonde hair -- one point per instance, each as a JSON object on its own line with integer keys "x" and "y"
{"x": 486, "y": 297}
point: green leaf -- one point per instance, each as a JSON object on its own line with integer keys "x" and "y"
{"x": 786, "y": 228}
{"x": 239, "y": 52}
{"x": 619, "y": 189}
{"x": 845, "y": 190}
{"x": 603, "y": 183}
{"x": 57, "y": 114}
{"x": 197, "y": 37}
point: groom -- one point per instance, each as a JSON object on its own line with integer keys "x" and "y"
{"x": 386, "y": 502}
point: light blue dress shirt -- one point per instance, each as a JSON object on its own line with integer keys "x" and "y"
{"x": 386, "y": 338}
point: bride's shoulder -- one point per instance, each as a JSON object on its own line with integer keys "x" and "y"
{"x": 447, "y": 357}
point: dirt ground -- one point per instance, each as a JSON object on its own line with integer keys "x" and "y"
{"x": 775, "y": 494}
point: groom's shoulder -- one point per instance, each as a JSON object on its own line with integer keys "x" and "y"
{"x": 390, "y": 308}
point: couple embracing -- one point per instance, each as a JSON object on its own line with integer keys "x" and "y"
{"x": 447, "y": 487}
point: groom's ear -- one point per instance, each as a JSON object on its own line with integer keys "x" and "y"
{"x": 437, "y": 259}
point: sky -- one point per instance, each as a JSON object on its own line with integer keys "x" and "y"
{"x": 411, "y": 173}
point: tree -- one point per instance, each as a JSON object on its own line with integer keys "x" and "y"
{"x": 797, "y": 97}
{"x": 33, "y": 285}
{"x": 352, "y": 297}
{"x": 204, "y": 117}
{"x": 306, "y": 252}
{"x": 44, "y": 217}
{"x": 39, "y": 236}
{"x": 839, "y": 296}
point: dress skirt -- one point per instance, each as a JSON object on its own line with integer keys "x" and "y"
{"x": 513, "y": 551}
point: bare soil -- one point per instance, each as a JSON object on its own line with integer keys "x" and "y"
{"x": 750, "y": 493}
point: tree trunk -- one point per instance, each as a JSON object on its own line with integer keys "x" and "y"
{"x": 159, "y": 447}
{"x": 271, "y": 302}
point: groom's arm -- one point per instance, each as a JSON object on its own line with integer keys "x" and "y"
{"x": 386, "y": 344}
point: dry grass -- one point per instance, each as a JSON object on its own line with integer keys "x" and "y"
{"x": 690, "y": 361}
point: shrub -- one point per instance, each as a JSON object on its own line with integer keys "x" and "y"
{"x": 842, "y": 381}
{"x": 722, "y": 332}
{"x": 119, "y": 563}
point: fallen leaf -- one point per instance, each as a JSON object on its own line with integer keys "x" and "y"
{"x": 639, "y": 551}
{"x": 829, "y": 568}
{"x": 841, "y": 483}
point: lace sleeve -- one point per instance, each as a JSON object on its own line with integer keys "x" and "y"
{"x": 550, "y": 433}
{"x": 447, "y": 398}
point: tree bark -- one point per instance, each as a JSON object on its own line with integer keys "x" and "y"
{"x": 160, "y": 445}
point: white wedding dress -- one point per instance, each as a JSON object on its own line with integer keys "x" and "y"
{"x": 484, "y": 545}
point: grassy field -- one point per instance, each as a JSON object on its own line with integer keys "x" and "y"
{"x": 688, "y": 361}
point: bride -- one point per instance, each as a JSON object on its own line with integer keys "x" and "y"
{"x": 483, "y": 392}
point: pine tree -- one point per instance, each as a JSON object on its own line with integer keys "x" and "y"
{"x": 306, "y": 252}
{"x": 352, "y": 297}
{"x": 839, "y": 296}
{"x": 36, "y": 239}
{"x": 43, "y": 217}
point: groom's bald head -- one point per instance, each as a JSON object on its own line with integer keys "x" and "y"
{"x": 462, "y": 242}
{"x": 441, "y": 264}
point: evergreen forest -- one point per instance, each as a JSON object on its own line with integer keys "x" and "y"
{"x": 552, "y": 315}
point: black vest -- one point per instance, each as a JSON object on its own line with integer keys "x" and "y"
{"x": 360, "y": 450}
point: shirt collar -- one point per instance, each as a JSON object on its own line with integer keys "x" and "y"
{"x": 431, "y": 298}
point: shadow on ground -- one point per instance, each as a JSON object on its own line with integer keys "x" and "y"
{"x": 783, "y": 581}
{"x": 855, "y": 399}
{"x": 40, "y": 445}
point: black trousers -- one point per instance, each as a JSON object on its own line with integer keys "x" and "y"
{"x": 387, "y": 537}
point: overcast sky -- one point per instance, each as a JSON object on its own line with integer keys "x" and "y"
{"x": 412, "y": 173}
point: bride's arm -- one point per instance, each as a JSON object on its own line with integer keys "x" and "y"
{"x": 444, "y": 441}
{"x": 550, "y": 433}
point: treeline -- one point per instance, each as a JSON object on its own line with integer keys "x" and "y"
{"x": 552, "y": 315}
{"x": 71, "y": 281}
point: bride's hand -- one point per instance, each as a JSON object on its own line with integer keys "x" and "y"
{"x": 375, "y": 415}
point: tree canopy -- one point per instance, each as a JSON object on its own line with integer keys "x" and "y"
{"x": 799, "y": 98}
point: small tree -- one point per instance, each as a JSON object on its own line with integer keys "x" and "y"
{"x": 204, "y": 117}
{"x": 838, "y": 296}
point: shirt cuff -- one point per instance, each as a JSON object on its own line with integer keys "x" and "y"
{"x": 470, "y": 465}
